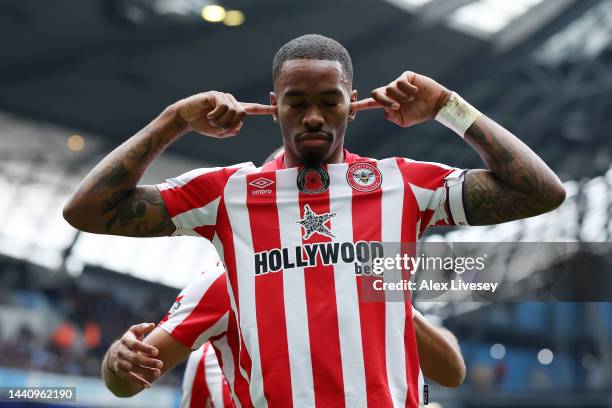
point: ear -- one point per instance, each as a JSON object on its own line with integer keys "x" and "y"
{"x": 274, "y": 102}
{"x": 352, "y": 112}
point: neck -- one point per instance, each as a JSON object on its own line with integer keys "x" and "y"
{"x": 291, "y": 160}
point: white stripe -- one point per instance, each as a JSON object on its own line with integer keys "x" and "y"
{"x": 425, "y": 196}
{"x": 441, "y": 165}
{"x": 196, "y": 217}
{"x": 349, "y": 325}
{"x": 191, "y": 296}
{"x": 227, "y": 365}
{"x": 235, "y": 202}
{"x": 214, "y": 377}
{"x": 193, "y": 364}
{"x": 454, "y": 182}
{"x": 219, "y": 327}
{"x": 421, "y": 387}
{"x": 294, "y": 292}
{"x": 392, "y": 202}
{"x": 185, "y": 178}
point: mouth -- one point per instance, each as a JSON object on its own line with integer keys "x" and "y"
{"x": 313, "y": 138}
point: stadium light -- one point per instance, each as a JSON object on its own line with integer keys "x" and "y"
{"x": 213, "y": 13}
{"x": 498, "y": 351}
{"x": 545, "y": 356}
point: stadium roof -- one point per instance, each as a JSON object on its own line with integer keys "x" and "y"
{"x": 106, "y": 67}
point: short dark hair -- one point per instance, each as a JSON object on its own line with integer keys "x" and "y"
{"x": 313, "y": 46}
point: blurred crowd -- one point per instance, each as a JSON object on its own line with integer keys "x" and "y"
{"x": 88, "y": 322}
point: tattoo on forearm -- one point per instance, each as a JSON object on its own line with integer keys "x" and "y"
{"x": 111, "y": 186}
{"x": 110, "y": 176}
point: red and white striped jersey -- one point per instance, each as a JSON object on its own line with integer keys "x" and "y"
{"x": 203, "y": 383}
{"x": 200, "y": 314}
{"x": 307, "y": 338}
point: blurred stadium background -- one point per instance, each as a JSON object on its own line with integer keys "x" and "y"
{"x": 79, "y": 77}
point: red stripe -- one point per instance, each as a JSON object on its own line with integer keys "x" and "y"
{"x": 234, "y": 338}
{"x": 269, "y": 299}
{"x": 367, "y": 226}
{"x": 424, "y": 175}
{"x": 198, "y": 192}
{"x": 227, "y": 398}
{"x": 323, "y": 317}
{"x": 224, "y": 232}
{"x": 410, "y": 214}
{"x": 199, "y": 389}
{"x": 210, "y": 308}
{"x": 206, "y": 231}
{"x": 241, "y": 385}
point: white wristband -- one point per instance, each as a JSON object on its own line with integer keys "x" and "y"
{"x": 457, "y": 114}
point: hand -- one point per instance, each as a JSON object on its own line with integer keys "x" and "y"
{"x": 217, "y": 114}
{"x": 131, "y": 359}
{"x": 409, "y": 100}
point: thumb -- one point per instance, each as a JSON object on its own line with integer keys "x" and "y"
{"x": 142, "y": 329}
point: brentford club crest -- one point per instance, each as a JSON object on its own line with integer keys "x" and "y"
{"x": 363, "y": 177}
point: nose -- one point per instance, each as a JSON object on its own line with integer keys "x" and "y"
{"x": 313, "y": 119}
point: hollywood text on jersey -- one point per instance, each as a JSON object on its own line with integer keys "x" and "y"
{"x": 360, "y": 253}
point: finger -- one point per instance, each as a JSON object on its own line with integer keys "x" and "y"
{"x": 142, "y": 328}
{"x": 224, "y": 120}
{"x": 407, "y": 87}
{"x": 240, "y": 112}
{"x": 138, "y": 380}
{"x": 219, "y": 111}
{"x": 149, "y": 374}
{"x": 137, "y": 374}
{"x": 258, "y": 109}
{"x": 382, "y": 98}
{"x": 230, "y": 132}
{"x": 398, "y": 95}
{"x": 136, "y": 345}
{"x": 364, "y": 104}
{"x": 140, "y": 359}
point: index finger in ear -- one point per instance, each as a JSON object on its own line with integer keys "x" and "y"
{"x": 364, "y": 104}
{"x": 258, "y": 109}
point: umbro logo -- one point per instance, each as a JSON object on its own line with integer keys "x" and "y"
{"x": 261, "y": 182}
{"x": 261, "y": 185}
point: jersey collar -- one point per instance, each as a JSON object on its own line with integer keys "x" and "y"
{"x": 278, "y": 163}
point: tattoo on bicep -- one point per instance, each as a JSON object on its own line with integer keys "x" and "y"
{"x": 514, "y": 187}
{"x": 133, "y": 211}
{"x": 489, "y": 201}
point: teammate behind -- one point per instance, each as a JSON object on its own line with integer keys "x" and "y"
{"x": 146, "y": 352}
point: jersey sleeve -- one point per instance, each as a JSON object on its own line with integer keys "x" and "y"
{"x": 201, "y": 310}
{"x": 193, "y": 199}
{"x": 433, "y": 185}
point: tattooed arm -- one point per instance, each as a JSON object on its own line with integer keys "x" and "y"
{"x": 108, "y": 201}
{"x": 518, "y": 183}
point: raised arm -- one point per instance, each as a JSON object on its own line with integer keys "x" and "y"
{"x": 109, "y": 201}
{"x": 517, "y": 184}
